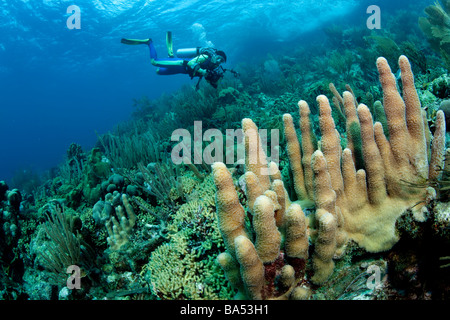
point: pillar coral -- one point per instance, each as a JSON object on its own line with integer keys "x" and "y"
{"x": 253, "y": 264}
{"x": 371, "y": 199}
{"x": 119, "y": 230}
{"x": 256, "y": 262}
{"x": 362, "y": 205}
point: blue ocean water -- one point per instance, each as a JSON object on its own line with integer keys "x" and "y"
{"x": 61, "y": 85}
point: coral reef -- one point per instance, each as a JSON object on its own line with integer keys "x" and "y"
{"x": 355, "y": 208}
{"x": 436, "y": 27}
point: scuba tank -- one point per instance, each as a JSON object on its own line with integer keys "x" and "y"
{"x": 188, "y": 52}
{"x": 181, "y": 53}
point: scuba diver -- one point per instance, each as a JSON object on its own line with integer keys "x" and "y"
{"x": 196, "y": 62}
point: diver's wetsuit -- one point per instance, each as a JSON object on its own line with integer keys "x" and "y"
{"x": 171, "y": 66}
{"x": 167, "y": 66}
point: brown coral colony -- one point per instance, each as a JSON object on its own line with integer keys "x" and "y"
{"x": 362, "y": 206}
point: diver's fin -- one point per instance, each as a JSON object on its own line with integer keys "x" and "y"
{"x": 135, "y": 41}
{"x": 169, "y": 44}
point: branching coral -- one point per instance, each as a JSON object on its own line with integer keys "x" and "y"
{"x": 119, "y": 231}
